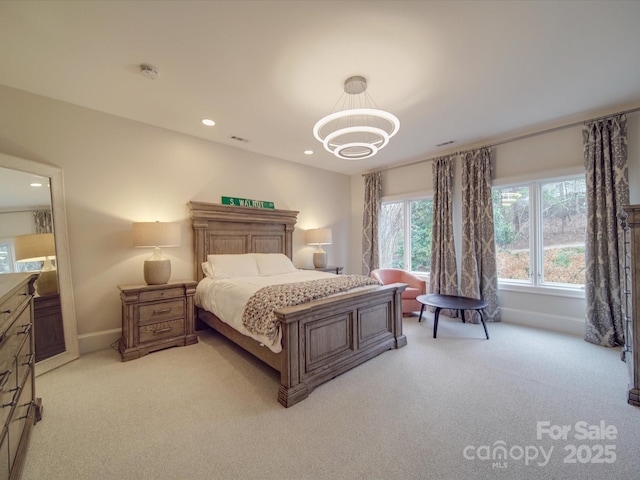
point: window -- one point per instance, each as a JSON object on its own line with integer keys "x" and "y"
{"x": 405, "y": 234}
{"x": 8, "y": 263}
{"x": 539, "y": 232}
{"x": 6, "y": 257}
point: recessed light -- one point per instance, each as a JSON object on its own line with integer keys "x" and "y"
{"x": 308, "y": 152}
{"x": 34, "y": 184}
{"x": 208, "y": 122}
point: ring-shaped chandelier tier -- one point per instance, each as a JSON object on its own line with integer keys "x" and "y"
{"x": 355, "y": 150}
{"x": 356, "y": 133}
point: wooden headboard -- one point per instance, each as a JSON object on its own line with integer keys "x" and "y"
{"x": 226, "y": 229}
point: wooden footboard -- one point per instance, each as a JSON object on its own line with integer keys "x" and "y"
{"x": 325, "y": 338}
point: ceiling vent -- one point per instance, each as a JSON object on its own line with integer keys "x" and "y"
{"x": 445, "y": 143}
{"x": 239, "y": 139}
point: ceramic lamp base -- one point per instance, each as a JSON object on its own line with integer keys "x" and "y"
{"x": 320, "y": 259}
{"x": 47, "y": 282}
{"x": 157, "y": 272}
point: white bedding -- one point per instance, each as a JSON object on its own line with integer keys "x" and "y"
{"x": 227, "y": 297}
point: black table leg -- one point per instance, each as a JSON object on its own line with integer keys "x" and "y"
{"x": 435, "y": 322}
{"x": 421, "y": 310}
{"x": 484, "y": 324}
{"x": 462, "y": 315}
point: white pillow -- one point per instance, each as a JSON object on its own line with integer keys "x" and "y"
{"x": 232, "y": 266}
{"x": 208, "y": 270}
{"x": 274, "y": 263}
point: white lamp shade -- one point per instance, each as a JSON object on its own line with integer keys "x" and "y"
{"x": 38, "y": 247}
{"x": 318, "y": 236}
{"x": 34, "y": 247}
{"x": 156, "y": 234}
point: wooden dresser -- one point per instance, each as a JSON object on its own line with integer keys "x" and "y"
{"x": 156, "y": 317}
{"x": 48, "y": 327}
{"x": 631, "y": 302}
{"x": 19, "y": 407}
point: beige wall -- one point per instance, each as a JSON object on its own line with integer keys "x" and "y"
{"x": 555, "y": 153}
{"x": 117, "y": 171}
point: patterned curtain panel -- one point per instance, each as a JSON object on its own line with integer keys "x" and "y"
{"x": 372, "y": 195}
{"x": 605, "y": 157}
{"x": 44, "y": 221}
{"x": 479, "y": 270}
{"x": 444, "y": 271}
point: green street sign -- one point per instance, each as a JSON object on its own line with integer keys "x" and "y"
{"x": 245, "y": 202}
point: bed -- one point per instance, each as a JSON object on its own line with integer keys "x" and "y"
{"x": 320, "y": 339}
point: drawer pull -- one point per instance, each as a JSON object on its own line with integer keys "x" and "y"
{"x": 26, "y": 329}
{"x": 30, "y": 361}
{"x": 6, "y": 311}
{"x": 28, "y": 414}
{"x": 163, "y": 310}
{"x": 14, "y": 400}
{"x": 162, "y": 330}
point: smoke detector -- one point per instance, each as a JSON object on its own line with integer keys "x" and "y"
{"x": 149, "y": 71}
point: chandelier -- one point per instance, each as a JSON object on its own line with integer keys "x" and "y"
{"x": 359, "y": 130}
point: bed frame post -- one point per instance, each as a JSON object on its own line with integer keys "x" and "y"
{"x": 291, "y": 390}
{"x": 199, "y": 229}
{"x": 400, "y": 338}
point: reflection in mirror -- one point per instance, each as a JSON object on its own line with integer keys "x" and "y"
{"x": 33, "y": 237}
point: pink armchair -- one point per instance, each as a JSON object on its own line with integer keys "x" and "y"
{"x": 416, "y": 286}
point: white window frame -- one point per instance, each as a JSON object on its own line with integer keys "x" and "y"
{"x": 10, "y": 254}
{"x": 536, "y": 243}
{"x": 406, "y": 212}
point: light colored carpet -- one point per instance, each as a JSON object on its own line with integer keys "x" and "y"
{"x": 431, "y": 410}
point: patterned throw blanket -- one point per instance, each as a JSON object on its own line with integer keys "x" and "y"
{"x": 258, "y": 316}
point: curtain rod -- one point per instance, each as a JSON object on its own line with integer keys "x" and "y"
{"x": 502, "y": 142}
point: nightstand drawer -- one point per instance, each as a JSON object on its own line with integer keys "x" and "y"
{"x": 155, "y": 317}
{"x": 158, "y": 312}
{"x": 161, "y": 330}
{"x": 153, "y": 295}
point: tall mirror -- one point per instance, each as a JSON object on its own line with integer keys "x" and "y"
{"x": 33, "y": 237}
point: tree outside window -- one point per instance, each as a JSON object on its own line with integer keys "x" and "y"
{"x": 405, "y": 234}
{"x": 539, "y": 231}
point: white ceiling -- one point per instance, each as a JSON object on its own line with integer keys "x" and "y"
{"x": 266, "y": 71}
{"x": 16, "y": 190}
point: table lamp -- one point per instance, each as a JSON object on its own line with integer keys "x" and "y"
{"x": 319, "y": 237}
{"x": 157, "y": 269}
{"x": 39, "y": 247}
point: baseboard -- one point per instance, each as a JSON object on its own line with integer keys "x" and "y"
{"x": 92, "y": 342}
{"x": 556, "y": 323}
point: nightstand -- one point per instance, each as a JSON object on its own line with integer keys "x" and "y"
{"x": 156, "y": 317}
{"x": 329, "y": 268}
